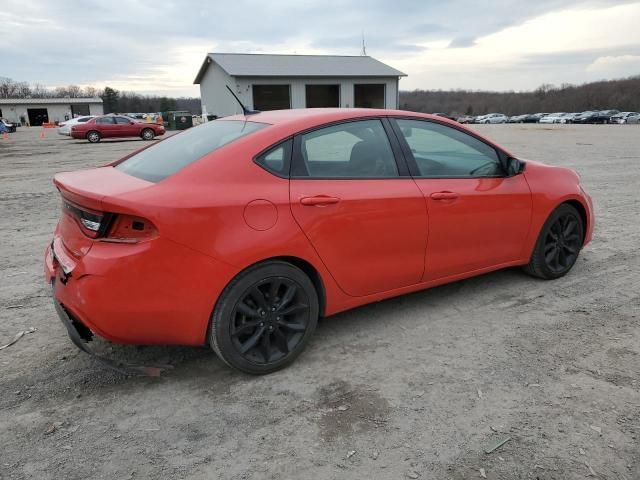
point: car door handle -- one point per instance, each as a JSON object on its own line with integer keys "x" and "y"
{"x": 319, "y": 200}
{"x": 444, "y": 195}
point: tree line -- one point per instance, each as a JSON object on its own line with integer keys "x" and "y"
{"x": 114, "y": 101}
{"x": 623, "y": 95}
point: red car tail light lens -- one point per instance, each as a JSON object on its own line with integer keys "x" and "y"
{"x": 110, "y": 227}
{"x": 91, "y": 222}
{"x": 130, "y": 229}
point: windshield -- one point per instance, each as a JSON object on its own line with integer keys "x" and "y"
{"x": 173, "y": 154}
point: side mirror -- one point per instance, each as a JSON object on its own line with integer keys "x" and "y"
{"x": 515, "y": 167}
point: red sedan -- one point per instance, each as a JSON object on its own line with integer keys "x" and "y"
{"x": 114, "y": 126}
{"x": 242, "y": 232}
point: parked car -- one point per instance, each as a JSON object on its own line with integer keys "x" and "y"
{"x": 444, "y": 115}
{"x": 111, "y": 126}
{"x": 240, "y": 233}
{"x": 10, "y": 127}
{"x": 494, "y": 118}
{"x": 466, "y": 119}
{"x": 633, "y": 118}
{"x": 597, "y": 116}
{"x": 64, "y": 128}
{"x": 516, "y": 118}
{"x": 534, "y": 118}
{"x": 623, "y": 117}
{"x": 553, "y": 117}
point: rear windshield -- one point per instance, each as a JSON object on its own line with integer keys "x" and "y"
{"x": 173, "y": 154}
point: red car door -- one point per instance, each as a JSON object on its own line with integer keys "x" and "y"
{"x": 126, "y": 127}
{"x": 359, "y": 208}
{"x": 107, "y": 127}
{"x": 478, "y": 216}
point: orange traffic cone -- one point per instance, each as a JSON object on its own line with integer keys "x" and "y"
{"x": 5, "y": 136}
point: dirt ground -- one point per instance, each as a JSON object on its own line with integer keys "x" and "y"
{"x": 415, "y": 387}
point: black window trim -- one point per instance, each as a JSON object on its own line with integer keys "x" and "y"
{"x": 287, "y": 143}
{"x": 297, "y": 161}
{"x": 503, "y": 157}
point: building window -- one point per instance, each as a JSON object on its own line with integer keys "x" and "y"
{"x": 271, "y": 97}
{"x": 319, "y": 96}
{"x": 369, "y": 95}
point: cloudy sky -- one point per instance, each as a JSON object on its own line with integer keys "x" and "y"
{"x": 157, "y": 47}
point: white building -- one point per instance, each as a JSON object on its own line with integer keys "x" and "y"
{"x": 272, "y": 82}
{"x": 36, "y": 111}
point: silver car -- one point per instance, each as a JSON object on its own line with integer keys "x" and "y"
{"x": 626, "y": 117}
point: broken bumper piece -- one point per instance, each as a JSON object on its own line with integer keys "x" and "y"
{"x": 80, "y": 335}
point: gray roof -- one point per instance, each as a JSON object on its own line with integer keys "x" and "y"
{"x": 267, "y": 65}
{"x": 47, "y": 101}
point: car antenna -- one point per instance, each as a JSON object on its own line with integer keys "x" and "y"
{"x": 245, "y": 110}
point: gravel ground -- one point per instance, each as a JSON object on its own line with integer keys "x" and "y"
{"x": 415, "y": 387}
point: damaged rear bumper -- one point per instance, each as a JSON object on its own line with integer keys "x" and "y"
{"x": 80, "y": 335}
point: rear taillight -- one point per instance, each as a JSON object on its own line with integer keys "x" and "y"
{"x": 130, "y": 229}
{"x": 91, "y": 222}
{"x": 111, "y": 227}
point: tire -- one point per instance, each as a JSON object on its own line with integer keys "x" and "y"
{"x": 93, "y": 136}
{"x": 558, "y": 244}
{"x": 147, "y": 134}
{"x": 264, "y": 318}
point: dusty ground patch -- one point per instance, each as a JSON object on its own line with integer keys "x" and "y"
{"x": 417, "y": 386}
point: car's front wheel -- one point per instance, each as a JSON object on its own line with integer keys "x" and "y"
{"x": 93, "y": 136}
{"x": 558, "y": 244}
{"x": 264, "y": 318}
{"x": 147, "y": 134}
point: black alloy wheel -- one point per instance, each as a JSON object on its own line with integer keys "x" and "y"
{"x": 270, "y": 320}
{"x": 558, "y": 245}
{"x": 264, "y": 317}
{"x": 562, "y": 243}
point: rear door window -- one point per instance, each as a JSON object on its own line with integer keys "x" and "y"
{"x": 174, "y": 153}
{"x": 358, "y": 149}
{"x": 105, "y": 121}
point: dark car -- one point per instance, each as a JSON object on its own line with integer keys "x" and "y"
{"x": 444, "y": 115}
{"x": 519, "y": 118}
{"x": 595, "y": 116}
{"x": 466, "y": 119}
{"x": 533, "y": 118}
{"x": 115, "y": 126}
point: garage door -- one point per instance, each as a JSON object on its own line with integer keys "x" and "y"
{"x": 37, "y": 116}
{"x": 271, "y": 97}
{"x": 320, "y": 96}
{"x": 368, "y": 95}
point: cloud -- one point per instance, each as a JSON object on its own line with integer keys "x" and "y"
{"x": 615, "y": 66}
{"x": 462, "y": 42}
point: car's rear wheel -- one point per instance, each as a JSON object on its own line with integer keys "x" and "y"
{"x": 93, "y": 136}
{"x": 147, "y": 134}
{"x": 558, "y": 245}
{"x": 264, "y": 318}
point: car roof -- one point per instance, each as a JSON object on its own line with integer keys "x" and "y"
{"x": 325, "y": 115}
{"x": 289, "y": 122}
